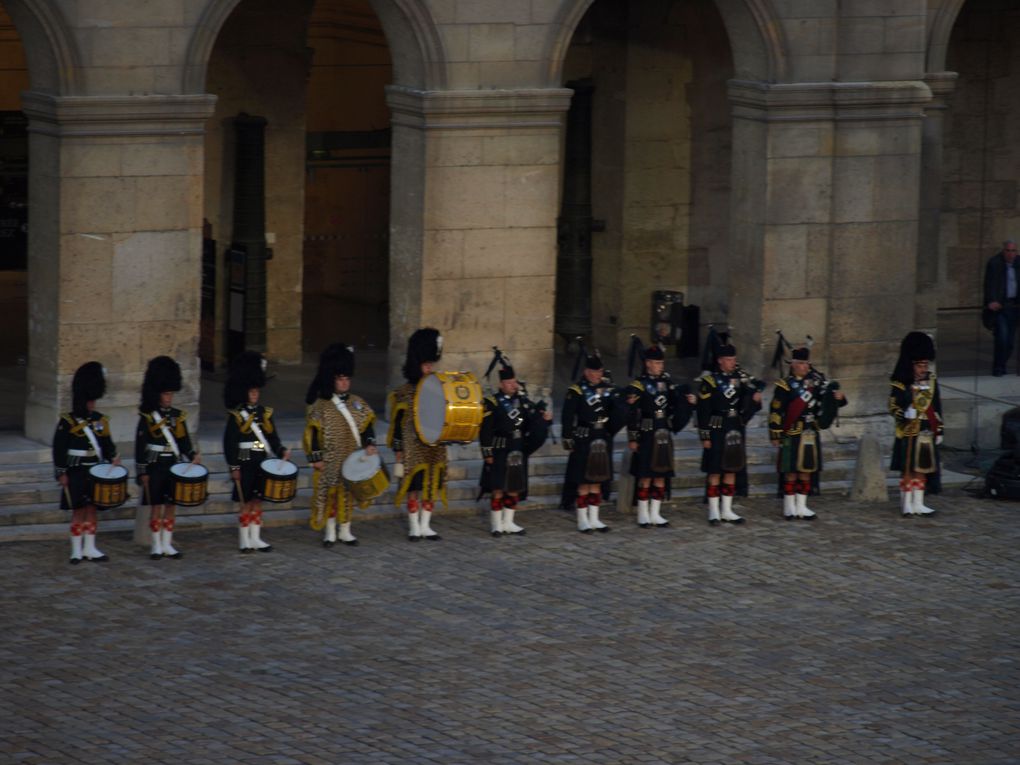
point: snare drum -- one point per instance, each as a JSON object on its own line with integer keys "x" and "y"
{"x": 190, "y": 482}
{"x": 278, "y": 480}
{"x": 108, "y": 485}
{"x": 448, "y": 408}
{"x": 365, "y": 475}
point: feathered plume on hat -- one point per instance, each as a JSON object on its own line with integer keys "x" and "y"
{"x": 425, "y": 345}
{"x": 717, "y": 344}
{"x": 87, "y": 385}
{"x": 161, "y": 375}
{"x": 506, "y": 370}
{"x": 915, "y": 346}
{"x": 591, "y": 359}
{"x": 638, "y": 350}
{"x": 335, "y": 361}
{"x": 247, "y": 371}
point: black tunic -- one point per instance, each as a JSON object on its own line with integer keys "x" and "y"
{"x": 510, "y": 425}
{"x": 725, "y": 405}
{"x": 73, "y": 455}
{"x": 244, "y": 451}
{"x": 656, "y": 404}
{"x": 153, "y": 455}
{"x": 590, "y": 413}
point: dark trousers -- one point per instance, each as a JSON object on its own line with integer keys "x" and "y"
{"x": 1004, "y": 336}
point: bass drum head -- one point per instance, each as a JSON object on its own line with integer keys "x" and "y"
{"x": 360, "y": 465}
{"x": 430, "y": 409}
{"x": 189, "y": 471}
{"x": 277, "y": 467}
{"x": 108, "y": 472}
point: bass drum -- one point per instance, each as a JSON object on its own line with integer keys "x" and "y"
{"x": 365, "y": 475}
{"x": 448, "y": 408}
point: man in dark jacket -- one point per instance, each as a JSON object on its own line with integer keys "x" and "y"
{"x": 1002, "y": 303}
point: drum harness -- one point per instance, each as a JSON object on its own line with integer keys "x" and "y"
{"x": 93, "y": 443}
{"x": 171, "y": 441}
{"x": 341, "y": 407}
{"x": 254, "y": 429}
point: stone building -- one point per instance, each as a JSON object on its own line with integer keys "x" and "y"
{"x": 838, "y": 169}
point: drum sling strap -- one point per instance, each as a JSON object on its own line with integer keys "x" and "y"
{"x": 257, "y": 431}
{"x": 170, "y": 440}
{"x": 93, "y": 442}
{"x": 342, "y": 408}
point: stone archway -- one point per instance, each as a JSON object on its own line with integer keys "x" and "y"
{"x": 762, "y": 55}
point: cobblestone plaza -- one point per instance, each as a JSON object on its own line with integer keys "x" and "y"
{"x": 861, "y": 638}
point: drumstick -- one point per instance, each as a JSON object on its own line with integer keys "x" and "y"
{"x": 67, "y": 496}
{"x": 240, "y": 494}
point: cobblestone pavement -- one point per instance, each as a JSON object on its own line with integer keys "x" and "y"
{"x": 861, "y": 638}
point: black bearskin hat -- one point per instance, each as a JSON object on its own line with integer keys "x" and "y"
{"x": 161, "y": 375}
{"x": 337, "y": 360}
{"x": 801, "y": 354}
{"x": 88, "y": 385}
{"x": 653, "y": 352}
{"x": 916, "y": 346}
{"x": 247, "y": 371}
{"x": 425, "y": 345}
{"x": 586, "y": 359}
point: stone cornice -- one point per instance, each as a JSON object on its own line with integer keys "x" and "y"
{"x": 66, "y": 116}
{"x": 841, "y": 101}
{"x": 478, "y": 109}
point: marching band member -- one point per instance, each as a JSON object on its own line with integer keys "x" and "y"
{"x": 916, "y": 407}
{"x": 658, "y": 406}
{"x": 804, "y": 403}
{"x": 249, "y": 432}
{"x": 513, "y": 428}
{"x": 421, "y": 467}
{"x": 337, "y": 423}
{"x": 161, "y": 440}
{"x": 82, "y": 439}
{"x": 728, "y": 398}
{"x": 592, "y": 412}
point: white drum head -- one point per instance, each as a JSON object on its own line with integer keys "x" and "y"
{"x": 189, "y": 470}
{"x": 431, "y": 409}
{"x": 108, "y": 472}
{"x": 281, "y": 468}
{"x": 361, "y": 466}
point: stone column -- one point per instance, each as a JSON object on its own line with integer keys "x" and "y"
{"x": 473, "y": 224}
{"x": 931, "y": 261}
{"x": 824, "y": 224}
{"x": 114, "y": 261}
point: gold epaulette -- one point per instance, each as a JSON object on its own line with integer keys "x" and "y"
{"x": 575, "y": 388}
{"x": 782, "y": 384}
{"x": 637, "y": 384}
{"x": 709, "y": 379}
{"x": 898, "y": 385}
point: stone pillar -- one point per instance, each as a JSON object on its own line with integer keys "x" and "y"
{"x": 473, "y": 224}
{"x": 114, "y": 257}
{"x": 931, "y": 261}
{"x": 824, "y": 224}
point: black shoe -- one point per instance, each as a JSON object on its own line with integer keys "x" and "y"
{"x": 100, "y": 559}
{"x": 352, "y": 543}
{"x": 413, "y": 539}
{"x": 159, "y": 556}
{"x": 604, "y": 529}
{"x": 497, "y": 534}
{"x": 327, "y": 544}
{"x": 520, "y": 533}
{"x": 175, "y": 556}
{"x": 243, "y": 550}
{"x": 736, "y": 522}
{"x": 433, "y": 538}
{"x": 714, "y": 522}
{"x": 74, "y": 561}
{"x": 662, "y": 525}
{"x": 809, "y": 517}
{"x": 644, "y": 525}
{"x": 267, "y": 548}
{"x": 585, "y": 531}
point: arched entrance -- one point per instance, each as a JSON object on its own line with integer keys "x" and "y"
{"x": 981, "y": 164}
{"x": 317, "y": 73}
{"x": 661, "y": 144}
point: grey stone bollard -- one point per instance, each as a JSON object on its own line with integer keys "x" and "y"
{"x": 869, "y": 475}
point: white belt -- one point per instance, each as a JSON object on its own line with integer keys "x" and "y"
{"x": 81, "y": 453}
{"x": 251, "y": 445}
{"x": 160, "y": 448}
